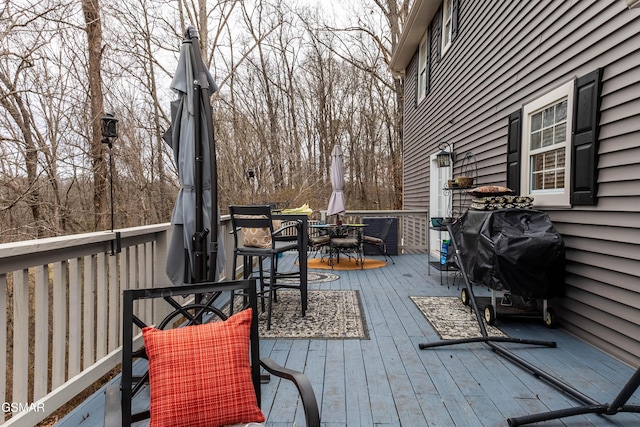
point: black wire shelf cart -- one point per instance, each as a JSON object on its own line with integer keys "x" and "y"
{"x": 459, "y": 199}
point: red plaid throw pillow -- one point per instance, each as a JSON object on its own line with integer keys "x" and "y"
{"x": 201, "y": 375}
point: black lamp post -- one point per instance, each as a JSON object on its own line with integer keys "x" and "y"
{"x": 446, "y": 156}
{"x": 109, "y": 133}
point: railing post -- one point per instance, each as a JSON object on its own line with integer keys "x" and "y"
{"x": 160, "y": 278}
{"x": 75, "y": 315}
{"x": 113, "y": 296}
{"x": 88, "y": 294}
{"x": 159, "y": 274}
{"x": 59, "y": 337}
{"x": 20, "y": 336}
{"x": 41, "y": 324}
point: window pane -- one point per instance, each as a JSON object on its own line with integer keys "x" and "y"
{"x": 548, "y": 117}
{"x": 536, "y": 181}
{"x": 560, "y": 158}
{"x": 547, "y": 137}
{"x": 537, "y": 166}
{"x": 447, "y": 33}
{"x": 448, "y": 9}
{"x": 536, "y": 140}
{"x": 560, "y": 179}
{"x": 538, "y": 163}
{"x": 549, "y": 180}
{"x": 549, "y": 157}
{"x": 561, "y": 111}
{"x": 560, "y": 133}
{"x": 536, "y": 122}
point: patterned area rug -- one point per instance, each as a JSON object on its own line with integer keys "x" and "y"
{"x": 330, "y": 315}
{"x": 451, "y": 318}
{"x": 345, "y": 264}
{"x": 313, "y": 277}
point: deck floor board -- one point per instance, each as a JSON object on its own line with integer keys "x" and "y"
{"x": 386, "y": 380}
{"x": 356, "y": 395}
{"x": 379, "y": 388}
{"x": 334, "y": 402}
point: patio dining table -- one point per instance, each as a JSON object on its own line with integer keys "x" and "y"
{"x": 345, "y": 238}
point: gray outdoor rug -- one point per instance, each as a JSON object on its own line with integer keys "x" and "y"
{"x": 330, "y": 315}
{"x": 451, "y": 318}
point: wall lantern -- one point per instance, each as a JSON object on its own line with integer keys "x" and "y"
{"x": 446, "y": 156}
{"x": 251, "y": 173}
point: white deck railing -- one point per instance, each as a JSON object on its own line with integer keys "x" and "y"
{"x": 61, "y": 296}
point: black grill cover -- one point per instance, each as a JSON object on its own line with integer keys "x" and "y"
{"x": 516, "y": 250}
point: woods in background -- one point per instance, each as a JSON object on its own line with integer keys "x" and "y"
{"x": 293, "y": 80}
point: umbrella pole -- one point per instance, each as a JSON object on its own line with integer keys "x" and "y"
{"x": 200, "y": 235}
{"x": 202, "y": 108}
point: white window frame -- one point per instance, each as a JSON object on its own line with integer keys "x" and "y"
{"x": 422, "y": 68}
{"x": 556, "y": 197}
{"x": 447, "y": 24}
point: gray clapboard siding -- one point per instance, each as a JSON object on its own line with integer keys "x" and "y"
{"x": 597, "y": 238}
{"x": 505, "y": 55}
{"x": 595, "y": 305}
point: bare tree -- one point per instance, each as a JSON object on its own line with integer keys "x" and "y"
{"x": 33, "y": 123}
{"x": 368, "y": 46}
{"x": 291, "y": 86}
{"x": 93, "y": 28}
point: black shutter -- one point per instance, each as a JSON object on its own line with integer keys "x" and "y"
{"x": 584, "y": 141}
{"x": 514, "y": 141}
{"x": 454, "y": 19}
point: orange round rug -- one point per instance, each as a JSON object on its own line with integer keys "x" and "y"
{"x": 344, "y": 264}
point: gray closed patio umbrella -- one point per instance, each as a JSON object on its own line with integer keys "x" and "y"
{"x": 336, "y": 202}
{"x": 194, "y": 254}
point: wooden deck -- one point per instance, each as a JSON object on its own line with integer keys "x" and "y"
{"x": 387, "y": 380}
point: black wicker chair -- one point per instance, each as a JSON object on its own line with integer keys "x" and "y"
{"x": 379, "y": 240}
